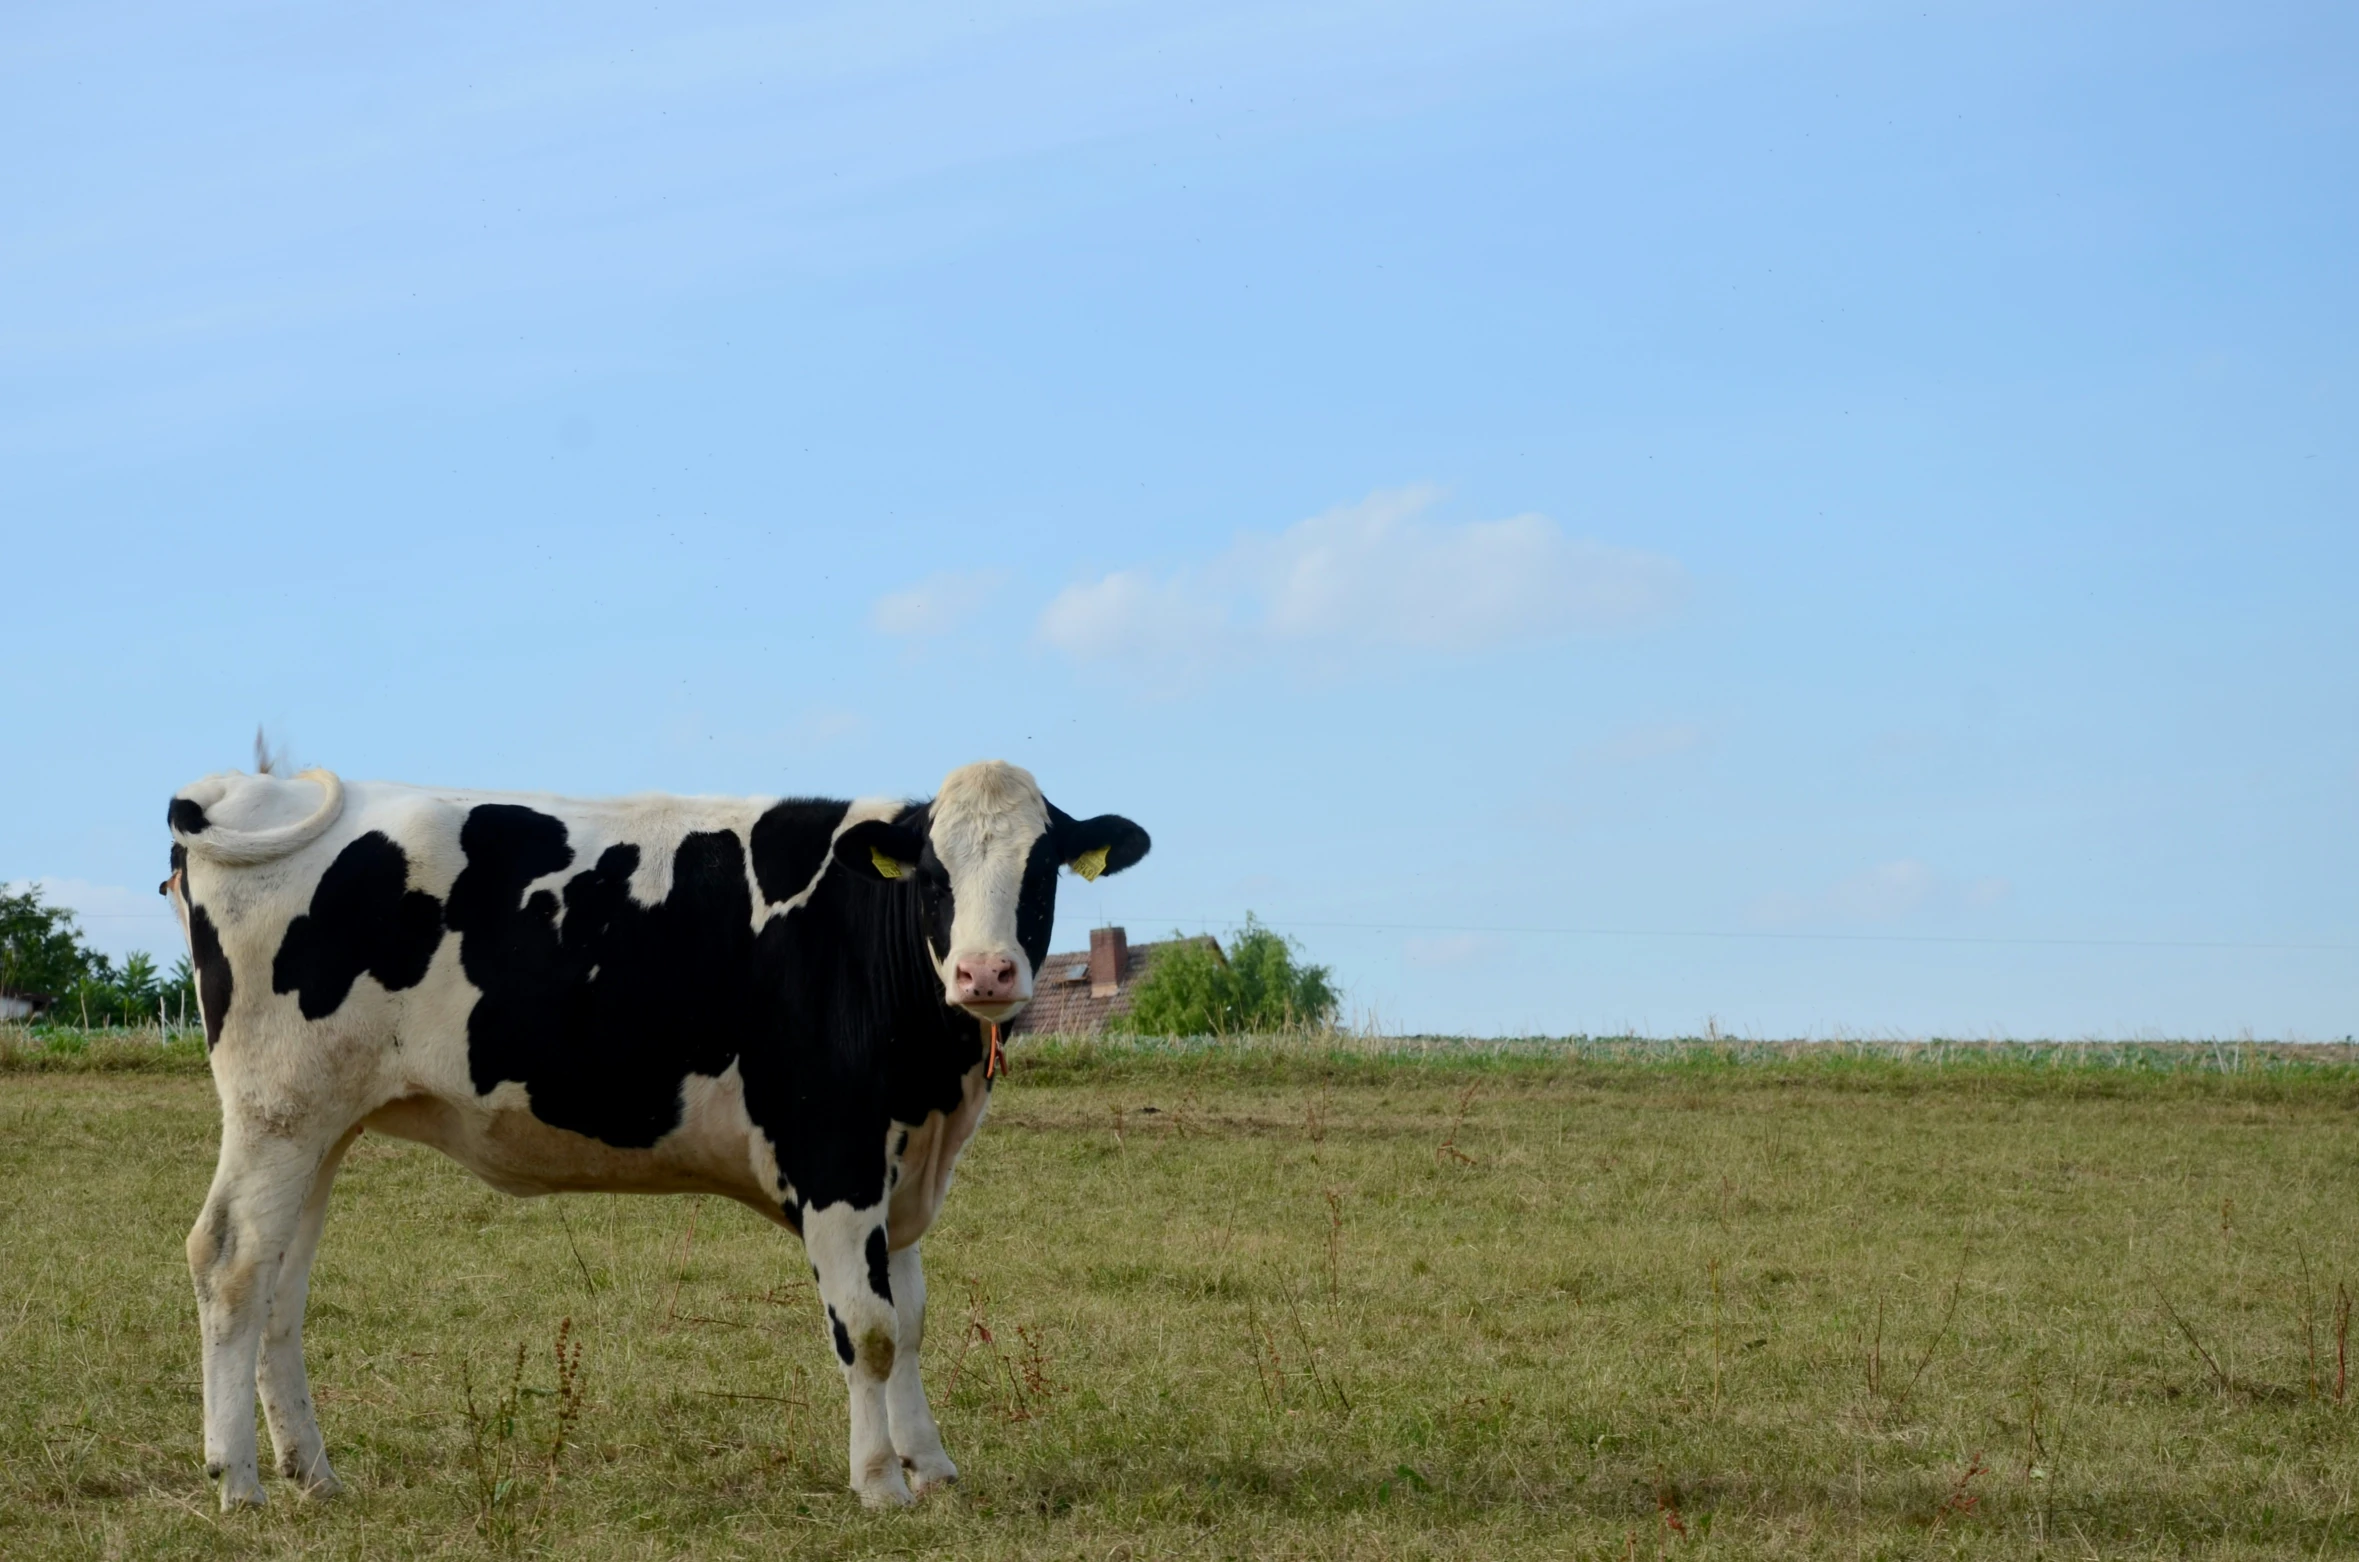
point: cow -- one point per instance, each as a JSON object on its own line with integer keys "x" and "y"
{"x": 785, "y": 1001}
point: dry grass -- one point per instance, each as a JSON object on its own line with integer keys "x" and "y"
{"x": 1293, "y": 1301}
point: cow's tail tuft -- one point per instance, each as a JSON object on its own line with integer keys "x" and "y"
{"x": 243, "y": 848}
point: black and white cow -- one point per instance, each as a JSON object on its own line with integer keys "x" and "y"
{"x": 780, "y": 1001}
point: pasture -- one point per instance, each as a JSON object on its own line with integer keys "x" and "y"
{"x": 1603, "y": 1301}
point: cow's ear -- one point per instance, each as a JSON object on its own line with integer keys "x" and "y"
{"x": 1107, "y": 844}
{"x": 880, "y": 849}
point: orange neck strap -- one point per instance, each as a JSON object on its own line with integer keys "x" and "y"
{"x": 994, "y": 1060}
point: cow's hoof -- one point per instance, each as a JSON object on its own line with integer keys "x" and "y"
{"x": 241, "y": 1484}
{"x": 885, "y": 1491}
{"x": 240, "y": 1489}
{"x": 930, "y": 1475}
{"x": 318, "y": 1479}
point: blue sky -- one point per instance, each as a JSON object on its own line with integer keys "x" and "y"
{"x": 1810, "y": 517}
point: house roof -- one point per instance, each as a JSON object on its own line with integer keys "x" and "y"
{"x": 1062, "y": 1003}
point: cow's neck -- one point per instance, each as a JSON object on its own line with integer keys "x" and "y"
{"x": 922, "y": 1037}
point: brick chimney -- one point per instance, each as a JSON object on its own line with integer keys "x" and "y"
{"x": 1109, "y": 952}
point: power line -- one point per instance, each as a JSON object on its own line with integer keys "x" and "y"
{"x": 1824, "y": 938}
{"x": 164, "y": 919}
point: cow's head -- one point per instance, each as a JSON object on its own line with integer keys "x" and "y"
{"x": 982, "y": 858}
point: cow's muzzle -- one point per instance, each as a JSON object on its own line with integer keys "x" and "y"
{"x": 988, "y": 986}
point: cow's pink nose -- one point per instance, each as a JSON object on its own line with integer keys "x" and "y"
{"x": 988, "y": 980}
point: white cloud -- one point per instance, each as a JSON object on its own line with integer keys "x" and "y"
{"x": 1129, "y": 617}
{"x": 937, "y": 604}
{"x": 1371, "y": 575}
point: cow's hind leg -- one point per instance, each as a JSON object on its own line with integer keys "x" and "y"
{"x": 286, "y": 1387}
{"x": 235, "y": 1254}
{"x": 916, "y": 1438}
{"x": 848, "y": 1255}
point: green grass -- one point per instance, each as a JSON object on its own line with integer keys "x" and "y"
{"x": 1300, "y": 1300}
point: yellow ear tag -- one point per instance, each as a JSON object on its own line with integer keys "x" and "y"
{"x": 886, "y": 867}
{"x": 1090, "y": 863}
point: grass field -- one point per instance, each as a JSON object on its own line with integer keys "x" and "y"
{"x": 1610, "y": 1301}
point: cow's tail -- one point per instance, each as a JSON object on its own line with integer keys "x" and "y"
{"x": 242, "y": 848}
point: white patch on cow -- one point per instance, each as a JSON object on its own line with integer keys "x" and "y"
{"x": 927, "y": 1159}
{"x": 762, "y": 1157}
{"x": 650, "y": 883}
{"x": 983, "y": 825}
{"x": 437, "y": 1007}
{"x": 497, "y": 1137}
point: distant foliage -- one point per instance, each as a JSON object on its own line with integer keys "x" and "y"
{"x": 41, "y": 951}
{"x": 42, "y": 956}
{"x": 1262, "y": 986}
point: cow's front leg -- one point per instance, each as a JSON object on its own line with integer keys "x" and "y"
{"x": 915, "y": 1436}
{"x": 848, "y": 1255}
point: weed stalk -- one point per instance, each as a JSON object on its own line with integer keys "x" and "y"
{"x": 1448, "y": 1149}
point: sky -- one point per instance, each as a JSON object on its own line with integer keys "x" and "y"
{"x": 1790, "y": 518}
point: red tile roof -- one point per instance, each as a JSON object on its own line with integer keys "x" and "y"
{"x": 1063, "y": 1003}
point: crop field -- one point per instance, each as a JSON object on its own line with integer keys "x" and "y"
{"x": 1606, "y": 1300}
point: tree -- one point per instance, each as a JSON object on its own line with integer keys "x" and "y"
{"x": 41, "y": 950}
{"x": 136, "y": 989}
{"x": 1191, "y": 991}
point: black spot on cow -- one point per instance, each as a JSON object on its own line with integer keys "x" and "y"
{"x": 1036, "y": 902}
{"x": 187, "y": 816}
{"x": 364, "y": 917}
{"x": 843, "y": 1340}
{"x": 212, "y": 970}
{"x": 790, "y": 844}
{"x": 601, "y": 1013}
{"x": 879, "y": 1265}
{"x": 901, "y": 1145}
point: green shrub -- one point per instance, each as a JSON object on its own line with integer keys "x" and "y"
{"x": 1191, "y": 991}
